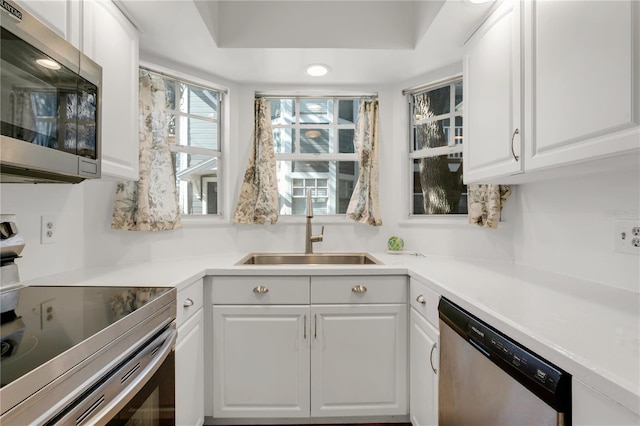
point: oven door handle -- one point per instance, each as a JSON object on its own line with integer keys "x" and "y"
{"x": 121, "y": 386}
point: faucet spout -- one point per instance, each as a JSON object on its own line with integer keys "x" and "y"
{"x": 309, "y": 237}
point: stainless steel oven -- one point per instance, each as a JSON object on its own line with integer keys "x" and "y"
{"x": 89, "y": 355}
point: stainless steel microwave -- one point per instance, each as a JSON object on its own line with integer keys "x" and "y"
{"x": 49, "y": 104}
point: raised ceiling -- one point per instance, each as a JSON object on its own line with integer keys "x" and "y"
{"x": 269, "y": 41}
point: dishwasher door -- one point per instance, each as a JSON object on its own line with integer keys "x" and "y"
{"x": 474, "y": 390}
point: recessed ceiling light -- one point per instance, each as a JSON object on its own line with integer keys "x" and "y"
{"x": 48, "y": 63}
{"x": 317, "y": 70}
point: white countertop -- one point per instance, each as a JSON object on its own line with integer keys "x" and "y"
{"x": 589, "y": 330}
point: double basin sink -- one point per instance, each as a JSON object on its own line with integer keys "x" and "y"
{"x": 309, "y": 259}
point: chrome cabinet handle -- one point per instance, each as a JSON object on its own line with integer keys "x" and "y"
{"x": 305, "y": 327}
{"x": 315, "y": 326}
{"x": 433, "y": 348}
{"x": 358, "y": 288}
{"x": 188, "y": 302}
{"x": 515, "y": 132}
{"x": 421, "y": 299}
{"x": 260, "y": 289}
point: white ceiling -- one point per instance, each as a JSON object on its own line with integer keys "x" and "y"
{"x": 272, "y": 41}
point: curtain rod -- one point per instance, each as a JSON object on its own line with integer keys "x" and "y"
{"x": 270, "y": 95}
{"x": 430, "y": 86}
{"x": 184, "y": 80}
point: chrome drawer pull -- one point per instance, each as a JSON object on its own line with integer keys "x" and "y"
{"x": 260, "y": 289}
{"x": 188, "y": 302}
{"x": 433, "y": 348}
{"x": 515, "y": 132}
{"x": 421, "y": 299}
{"x": 358, "y": 288}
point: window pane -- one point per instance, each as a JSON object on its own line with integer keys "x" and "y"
{"x": 431, "y": 135}
{"x": 198, "y": 133}
{"x": 315, "y": 140}
{"x": 317, "y": 111}
{"x": 170, "y": 92}
{"x": 283, "y": 140}
{"x": 457, "y": 138}
{"x": 345, "y": 141}
{"x": 438, "y": 187}
{"x": 348, "y": 111}
{"x": 283, "y": 111}
{"x": 197, "y": 183}
{"x": 331, "y": 184}
{"x": 198, "y": 101}
{"x": 458, "y": 100}
{"x": 431, "y": 103}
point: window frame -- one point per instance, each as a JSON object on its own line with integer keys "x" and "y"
{"x": 332, "y": 157}
{"x": 452, "y": 147}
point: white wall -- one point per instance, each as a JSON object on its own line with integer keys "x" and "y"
{"x": 29, "y": 202}
{"x": 567, "y": 225}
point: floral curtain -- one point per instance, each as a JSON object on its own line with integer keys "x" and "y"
{"x": 259, "y": 199}
{"x": 151, "y": 203}
{"x": 485, "y": 203}
{"x": 364, "y": 206}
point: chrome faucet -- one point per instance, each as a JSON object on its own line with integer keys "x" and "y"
{"x": 309, "y": 238}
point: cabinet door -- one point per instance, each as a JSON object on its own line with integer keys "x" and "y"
{"x": 261, "y": 361}
{"x": 581, "y": 80}
{"x": 189, "y": 367}
{"x": 423, "y": 377}
{"x": 62, "y": 17}
{"x": 590, "y": 407}
{"x": 492, "y": 97}
{"x": 358, "y": 360}
{"x": 112, "y": 41}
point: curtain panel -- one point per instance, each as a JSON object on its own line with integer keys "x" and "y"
{"x": 485, "y": 203}
{"x": 151, "y": 203}
{"x": 259, "y": 198}
{"x": 364, "y": 206}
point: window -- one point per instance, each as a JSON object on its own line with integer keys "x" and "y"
{"x": 436, "y": 151}
{"x": 194, "y": 132}
{"x": 313, "y": 140}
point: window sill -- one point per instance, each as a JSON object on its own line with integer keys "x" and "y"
{"x": 457, "y": 221}
{"x": 203, "y": 220}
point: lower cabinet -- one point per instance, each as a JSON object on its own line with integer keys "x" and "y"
{"x": 590, "y": 407}
{"x": 345, "y": 356}
{"x": 423, "y": 379}
{"x": 189, "y": 353}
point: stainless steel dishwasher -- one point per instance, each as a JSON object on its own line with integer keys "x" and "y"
{"x": 486, "y": 378}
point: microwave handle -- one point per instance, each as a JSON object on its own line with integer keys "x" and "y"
{"x": 99, "y": 407}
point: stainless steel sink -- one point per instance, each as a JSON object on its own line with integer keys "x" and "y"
{"x": 309, "y": 259}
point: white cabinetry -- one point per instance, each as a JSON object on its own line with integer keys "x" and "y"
{"x": 580, "y": 97}
{"x": 590, "y": 407}
{"x": 288, "y": 347}
{"x": 112, "y": 41}
{"x": 190, "y": 356}
{"x": 359, "y": 346}
{"x": 492, "y": 97}
{"x": 423, "y": 355}
{"x": 62, "y": 17}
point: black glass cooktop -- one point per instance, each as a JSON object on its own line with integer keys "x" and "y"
{"x": 48, "y": 321}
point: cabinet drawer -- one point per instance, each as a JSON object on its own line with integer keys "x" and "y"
{"x": 359, "y": 289}
{"x": 425, "y": 301}
{"x": 260, "y": 290}
{"x": 189, "y": 300}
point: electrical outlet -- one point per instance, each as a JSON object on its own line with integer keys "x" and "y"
{"x": 627, "y": 236}
{"x": 48, "y": 229}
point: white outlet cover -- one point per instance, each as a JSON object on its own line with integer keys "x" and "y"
{"x": 623, "y": 236}
{"x": 48, "y": 229}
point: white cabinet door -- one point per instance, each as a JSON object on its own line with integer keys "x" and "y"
{"x": 423, "y": 377}
{"x": 62, "y": 16}
{"x": 112, "y": 41}
{"x": 492, "y": 97}
{"x": 189, "y": 367}
{"x": 582, "y": 84}
{"x": 261, "y": 361}
{"x": 358, "y": 360}
{"x": 590, "y": 407}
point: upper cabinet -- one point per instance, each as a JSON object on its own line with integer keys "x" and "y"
{"x": 551, "y": 84}
{"x": 493, "y": 98}
{"x": 112, "y": 41}
{"x": 62, "y": 17}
